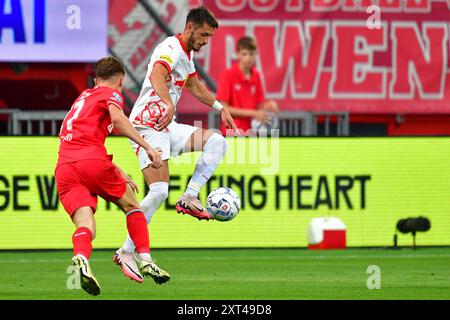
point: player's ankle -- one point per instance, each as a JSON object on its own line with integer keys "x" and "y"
{"x": 82, "y": 256}
{"x": 191, "y": 192}
{"x": 127, "y": 249}
{"x": 145, "y": 256}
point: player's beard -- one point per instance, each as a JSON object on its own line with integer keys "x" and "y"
{"x": 192, "y": 44}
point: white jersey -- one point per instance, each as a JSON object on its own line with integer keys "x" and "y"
{"x": 179, "y": 62}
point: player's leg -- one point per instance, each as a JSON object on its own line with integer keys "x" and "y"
{"x": 214, "y": 148}
{"x": 158, "y": 183}
{"x": 84, "y": 221}
{"x": 138, "y": 232}
{"x": 80, "y": 203}
{"x": 82, "y": 238}
{"x": 156, "y": 179}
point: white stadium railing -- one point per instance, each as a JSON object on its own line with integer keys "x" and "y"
{"x": 291, "y": 123}
{"x": 303, "y": 123}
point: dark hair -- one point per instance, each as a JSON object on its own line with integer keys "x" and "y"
{"x": 246, "y": 43}
{"x": 202, "y": 15}
{"x": 107, "y": 67}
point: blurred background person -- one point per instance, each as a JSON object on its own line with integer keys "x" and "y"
{"x": 240, "y": 89}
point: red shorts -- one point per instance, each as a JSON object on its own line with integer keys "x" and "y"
{"x": 79, "y": 183}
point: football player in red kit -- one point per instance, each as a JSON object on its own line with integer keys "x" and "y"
{"x": 85, "y": 171}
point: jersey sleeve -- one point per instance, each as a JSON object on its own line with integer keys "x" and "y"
{"x": 166, "y": 55}
{"x": 115, "y": 98}
{"x": 224, "y": 88}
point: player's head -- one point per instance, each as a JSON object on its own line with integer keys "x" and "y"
{"x": 200, "y": 26}
{"x": 246, "y": 52}
{"x": 109, "y": 71}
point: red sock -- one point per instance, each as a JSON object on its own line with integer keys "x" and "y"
{"x": 82, "y": 242}
{"x": 138, "y": 231}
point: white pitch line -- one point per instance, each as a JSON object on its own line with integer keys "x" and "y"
{"x": 343, "y": 257}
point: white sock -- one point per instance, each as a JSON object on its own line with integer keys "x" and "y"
{"x": 145, "y": 256}
{"x": 83, "y": 257}
{"x": 157, "y": 194}
{"x": 213, "y": 152}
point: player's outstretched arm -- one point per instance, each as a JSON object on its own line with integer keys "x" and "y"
{"x": 198, "y": 90}
{"x": 124, "y": 127}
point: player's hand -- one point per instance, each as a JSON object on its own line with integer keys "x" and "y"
{"x": 228, "y": 120}
{"x": 271, "y": 106}
{"x": 166, "y": 118}
{"x": 262, "y": 116}
{"x": 132, "y": 185}
{"x": 155, "y": 157}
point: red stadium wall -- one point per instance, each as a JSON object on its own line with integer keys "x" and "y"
{"x": 42, "y": 86}
{"x": 320, "y": 55}
{"x": 408, "y": 124}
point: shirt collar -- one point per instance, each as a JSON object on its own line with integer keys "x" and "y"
{"x": 241, "y": 74}
{"x": 188, "y": 53}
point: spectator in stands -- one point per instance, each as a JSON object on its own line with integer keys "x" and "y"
{"x": 240, "y": 89}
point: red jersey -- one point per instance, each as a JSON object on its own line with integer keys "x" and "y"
{"x": 240, "y": 92}
{"x": 86, "y": 126}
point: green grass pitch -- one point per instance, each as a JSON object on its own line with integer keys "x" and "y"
{"x": 239, "y": 274}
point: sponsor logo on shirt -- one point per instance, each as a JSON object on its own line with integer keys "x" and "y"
{"x": 166, "y": 58}
{"x": 85, "y": 95}
{"x": 67, "y": 137}
{"x": 117, "y": 97}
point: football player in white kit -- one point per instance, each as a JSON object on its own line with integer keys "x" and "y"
{"x": 170, "y": 69}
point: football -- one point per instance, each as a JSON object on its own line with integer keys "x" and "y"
{"x": 223, "y": 203}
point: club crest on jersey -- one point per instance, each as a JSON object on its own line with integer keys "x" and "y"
{"x": 166, "y": 58}
{"x": 84, "y": 95}
{"x": 117, "y": 97}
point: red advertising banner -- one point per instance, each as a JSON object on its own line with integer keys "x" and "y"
{"x": 332, "y": 55}
{"x": 327, "y": 54}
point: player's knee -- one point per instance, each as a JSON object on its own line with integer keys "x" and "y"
{"x": 218, "y": 143}
{"x": 159, "y": 191}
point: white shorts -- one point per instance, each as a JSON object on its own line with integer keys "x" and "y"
{"x": 171, "y": 142}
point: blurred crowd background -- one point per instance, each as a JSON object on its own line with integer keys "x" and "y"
{"x": 334, "y": 67}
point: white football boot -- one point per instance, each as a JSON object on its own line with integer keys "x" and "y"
{"x": 128, "y": 263}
